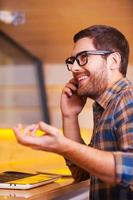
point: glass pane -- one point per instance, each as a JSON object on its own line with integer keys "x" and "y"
{"x": 20, "y": 99}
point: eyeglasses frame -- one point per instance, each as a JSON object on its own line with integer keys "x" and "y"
{"x": 89, "y": 52}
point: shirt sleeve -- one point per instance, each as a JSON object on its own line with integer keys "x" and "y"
{"x": 124, "y": 133}
{"x": 124, "y": 168}
{"x": 78, "y": 173}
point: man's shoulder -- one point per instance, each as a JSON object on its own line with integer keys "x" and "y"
{"x": 125, "y": 95}
{"x": 126, "y": 86}
{"x": 124, "y": 92}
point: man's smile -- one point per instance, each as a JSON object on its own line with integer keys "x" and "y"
{"x": 82, "y": 78}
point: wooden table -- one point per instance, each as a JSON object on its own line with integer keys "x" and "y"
{"x": 19, "y": 158}
{"x": 62, "y": 189}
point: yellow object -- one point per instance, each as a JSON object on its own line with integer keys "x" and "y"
{"x": 7, "y": 134}
{"x": 64, "y": 171}
{"x": 31, "y": 180}
{"x": 19, "y": 157}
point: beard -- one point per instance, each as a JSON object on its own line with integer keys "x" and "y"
{"x": 95, "y": 86}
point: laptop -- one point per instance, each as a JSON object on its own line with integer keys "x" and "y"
{"x": 24, "y": 181}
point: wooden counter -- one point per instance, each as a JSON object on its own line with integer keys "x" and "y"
{"x": 62, "y": 189}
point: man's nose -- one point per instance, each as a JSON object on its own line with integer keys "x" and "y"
{"x": 75, "y": 66}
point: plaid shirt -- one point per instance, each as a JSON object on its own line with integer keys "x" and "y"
{"x": 113, "y": 131}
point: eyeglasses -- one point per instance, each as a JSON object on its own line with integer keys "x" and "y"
{"x": 82, "y": 57}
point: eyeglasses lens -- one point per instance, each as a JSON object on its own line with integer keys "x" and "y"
{"x": 82, "y": 59}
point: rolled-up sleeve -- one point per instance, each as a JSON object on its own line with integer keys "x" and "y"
{"x": 124, "y": 167}
{"x": 77, "y": 173}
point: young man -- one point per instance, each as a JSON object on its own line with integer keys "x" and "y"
{"x": 98, "y": 64}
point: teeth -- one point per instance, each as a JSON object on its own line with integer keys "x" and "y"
{"x": 82, "y": 78}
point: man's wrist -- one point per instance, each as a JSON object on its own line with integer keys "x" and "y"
{"x": 69, "y": 117}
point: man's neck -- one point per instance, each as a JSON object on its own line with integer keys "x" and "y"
{"x": 114, "y": 78}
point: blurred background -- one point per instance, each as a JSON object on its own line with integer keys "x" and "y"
{"x": 33, "y": 47}
{"x": 35, "y": 39}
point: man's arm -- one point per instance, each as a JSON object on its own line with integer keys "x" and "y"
{"x": 71, "y": 128}
{"x": 71, "y": 105}
{"x": 72, "y": 131}
{"x": 123, "y": 125}
{"x": 98, "y": 163}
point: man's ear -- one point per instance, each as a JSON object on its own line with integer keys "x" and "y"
{"x": 114, "y": 60}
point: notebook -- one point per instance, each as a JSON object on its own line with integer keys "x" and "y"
{"x": 22, "y": 180}
{"x": 63, "y": 172}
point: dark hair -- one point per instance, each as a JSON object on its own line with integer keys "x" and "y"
{"x": 107, "y": 38}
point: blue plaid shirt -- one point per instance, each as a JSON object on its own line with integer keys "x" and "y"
{"x": 113, "y": 131}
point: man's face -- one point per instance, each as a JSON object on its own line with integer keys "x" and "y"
{"x": 92, "y": 78}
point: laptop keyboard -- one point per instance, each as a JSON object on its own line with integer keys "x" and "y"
{"x": 12, "y": 175}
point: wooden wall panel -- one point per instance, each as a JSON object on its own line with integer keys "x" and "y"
{"x": 50, "y": 25}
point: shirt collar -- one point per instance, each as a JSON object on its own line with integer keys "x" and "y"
{"x": 111, "y": 92}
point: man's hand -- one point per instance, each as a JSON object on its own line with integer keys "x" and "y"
{"x": 71, "y": 104}
{"x": 52, "y": 140}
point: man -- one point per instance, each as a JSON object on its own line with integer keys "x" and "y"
{"x": 98, "y": 64}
